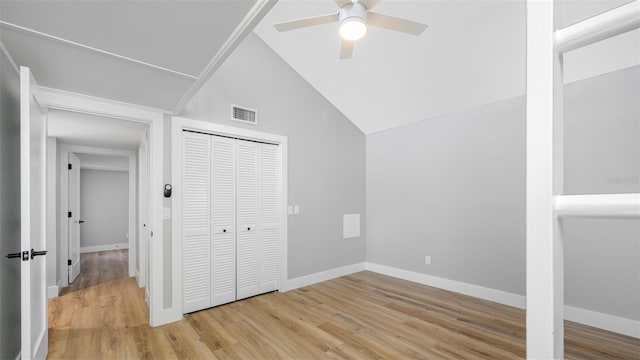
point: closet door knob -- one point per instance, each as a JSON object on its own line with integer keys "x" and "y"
{"x": 248, "y": 229}
{"x": 224, "y": 230}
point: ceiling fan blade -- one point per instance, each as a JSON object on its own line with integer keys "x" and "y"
{"x": 342, "y": 3}
{"x": 369, "y": 3}
{"x": 312, "y": 21}
{"x": 394, "y": 23}
{"x": 346, "y": 49}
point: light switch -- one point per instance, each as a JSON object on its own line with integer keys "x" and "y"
{"x": 166, "y": 213}
{"x": 296, "y": 209}
{"x": 290, "y": 210}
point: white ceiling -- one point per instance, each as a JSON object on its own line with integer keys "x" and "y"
{"x": 95, "y": 131}
{"x": 472, "y": 53}
{"x": 142, "y": 52}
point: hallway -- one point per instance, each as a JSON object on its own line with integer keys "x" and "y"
{"x": 102, "y": 314}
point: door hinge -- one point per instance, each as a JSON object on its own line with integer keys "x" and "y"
{"x": 69, "y": 166}
{"x": 69, "y": 214}
{"x": 69, "y": 262}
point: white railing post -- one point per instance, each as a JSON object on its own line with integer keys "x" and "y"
{"x": 546, "y": 204}
{"x": 545, "y": 255}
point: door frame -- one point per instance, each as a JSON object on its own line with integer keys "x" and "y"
{"x": 143, "y": 211}
{"x": 178, "y": 124}
{"x": 65, "y": 150}
{"x": 68, "y": 101}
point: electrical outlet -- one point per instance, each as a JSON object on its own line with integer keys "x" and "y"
{"x": 427, "y": 260}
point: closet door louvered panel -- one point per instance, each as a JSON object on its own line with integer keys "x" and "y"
{"x": 247, "y": 220}
{"x": 223, "y": 210}
{"x": 196, "y": 221}
{"x": 268, "y": 217}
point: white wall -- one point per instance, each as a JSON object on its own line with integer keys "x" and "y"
{"x": 104, "y": 206}
{"x": 453, "y": 188}
{"x": 326, "y": 151}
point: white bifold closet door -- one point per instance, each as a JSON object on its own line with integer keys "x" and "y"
{"x": 257, "y": 219}
{"x": 196, "y": 222}
{"x": 230, "y": 224}
{"x": 223, "y": 220}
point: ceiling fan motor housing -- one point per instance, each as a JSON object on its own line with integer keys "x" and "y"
{"x": 353, "y": 11}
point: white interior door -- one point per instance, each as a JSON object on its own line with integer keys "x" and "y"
{"x": 33, "y": 129}
{"x": 74, "y": 217}
{"x": 269, "y": 219}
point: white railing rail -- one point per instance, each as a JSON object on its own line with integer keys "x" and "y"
{"x": 600, "y": 27}
{"x": 598, "y": 206}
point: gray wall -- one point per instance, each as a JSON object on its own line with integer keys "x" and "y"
{"x": 104, "y": 206}
{"x": 602, "y": 155}
{"x": 326, "y": 151}
{"x": 9, "y": 209}
{"x": 453, "y": 188}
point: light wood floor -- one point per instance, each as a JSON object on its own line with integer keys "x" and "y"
{"x": 362, "y": 316}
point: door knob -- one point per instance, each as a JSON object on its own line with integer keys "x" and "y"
{"x": 37, "y": 253}
{"x": 248, "y": 229}
{"x": 224, "y": 230}
{"x": 81, "y": 222}
{"x": 14, "y": 255}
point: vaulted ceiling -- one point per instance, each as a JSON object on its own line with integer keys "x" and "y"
{"x": 472, "y": 53}
{"x": 158, "y": 53}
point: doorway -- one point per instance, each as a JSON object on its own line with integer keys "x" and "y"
{"x": 98, "y": 208}
{"x": 129, "y": 115}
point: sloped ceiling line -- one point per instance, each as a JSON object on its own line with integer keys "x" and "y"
{"x": 90, "y": 48}
{"x": 8, "y": 56}
{"x": 255, "y": 15}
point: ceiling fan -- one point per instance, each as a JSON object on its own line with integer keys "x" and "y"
{"x": 353, "y": 17}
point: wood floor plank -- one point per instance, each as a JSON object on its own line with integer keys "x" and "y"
{"x": 103, "y": 315}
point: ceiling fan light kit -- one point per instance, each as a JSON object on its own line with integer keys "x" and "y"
{"x": 353, "y": 18}
{"x": 353, "y": 21}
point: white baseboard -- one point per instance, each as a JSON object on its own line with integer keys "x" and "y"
{"x": 53, "y": 291}
{"x": 88, "y": 249}
{"x": 167, "y": 316}
{"x": 586, "y": 317}
{"x": 603, "y": 321}
{"x": 481, "y": 292}
{"x": 322, "y": 276}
